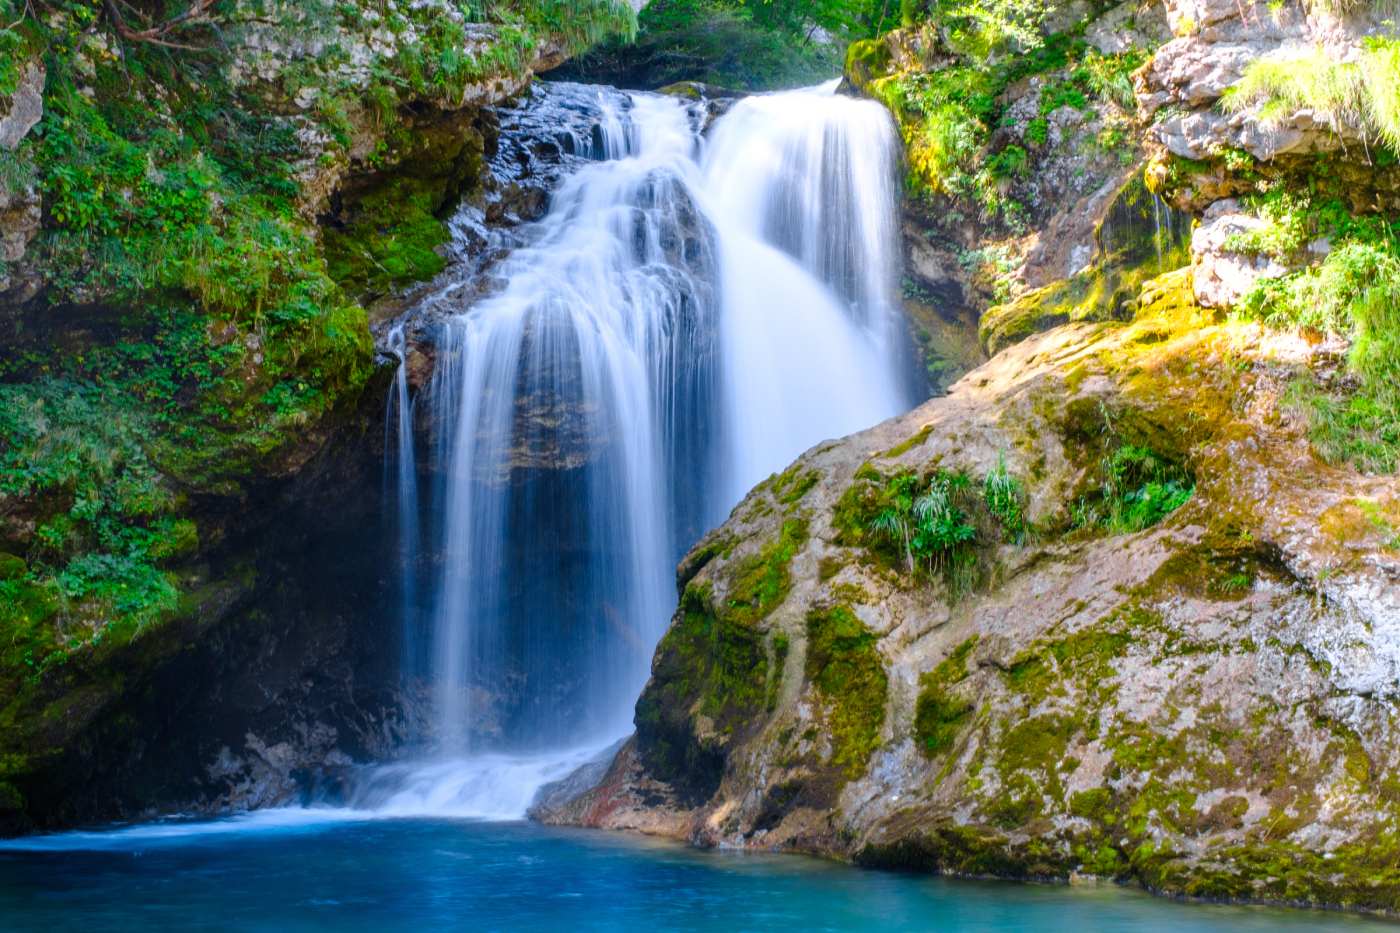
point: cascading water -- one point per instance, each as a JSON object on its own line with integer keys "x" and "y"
{"x": 687, "y": 318}
{"x": 401, "y": 485}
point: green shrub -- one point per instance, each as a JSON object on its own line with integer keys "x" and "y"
{"x": 1353, "y": 293}
{"x": 749, "y": 46}
{"x": 1138, "y": 489}
{"x": 1005, "y": 499}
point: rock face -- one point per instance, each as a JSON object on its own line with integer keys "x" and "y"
{"x": 1223, "y": 276}
{"x": 20, "y": 209}
{"x": 1203, "y": 706}
{"x": 190, "y": 408}
{"x": 1204, "y": 156}
{"x": 1215, "y": 41}
{"x": 1056, "y": 153}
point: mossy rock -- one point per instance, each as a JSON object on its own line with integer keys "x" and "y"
{"x": 866, "y": 60}
{"x": 394, "y": 240}
{"x": 844, "y": 665}
{"x": 12, "y": 567}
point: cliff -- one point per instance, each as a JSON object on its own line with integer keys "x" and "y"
{"x": 1124, "y": 603}
{"x": 198, "y": 207}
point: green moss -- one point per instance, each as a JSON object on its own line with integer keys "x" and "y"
{"x": 780, "y": 648}
{"x": 866, "y": 59}
{"x": 967, "y": 851}
{"x": 760, "y": 583}
{"x": 12, "y": 567}
{"x": 1222, "y": 567}
{"x": 716, "y": 661}
{"x": 844, "y": 665}
{"x": 1094, "y": 804}
{"x": 852, "y": 594}
{"x": 709, "y": 664}
{"x": 941, "y": 711}
{"x": 903, "y": 448}
{"x": 792, "y": 486}
{"x": 1082, "y": 660}
{"x": 1108, "y": 290}
{"x": 394, "y": 241}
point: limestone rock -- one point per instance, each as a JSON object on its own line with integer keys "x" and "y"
{"x": 20, "y": 209}
{"x": 1216, "y": 41}
{"x": 24, "y": 107}
{"x": 1223, "y": 276}
{"x": 20, "y": 218}
{"x": 1171, "y": 706}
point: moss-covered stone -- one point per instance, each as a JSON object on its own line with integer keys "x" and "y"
{"x": 844, "y": 665}
{"x": 717, "y": 670}
{"x": 395, "y": 240}
{"x": 942, "y": 710}
{"x": 1109, "y": 290}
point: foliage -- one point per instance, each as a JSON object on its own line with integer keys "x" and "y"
{"x": 1139, "y": 488}
{"x": 1363, "y": 94}
{"x": 1005, "y": 498}
{"x": 950, "y": 116}
{"x": 1353, "y": 293}
{"x": 744, "y": 44}
{"x": 982, "y": 28}
{"x": 924, "y": 520}
{"x": 931, "y": 524}
{"x": 97, "y": 558}
{"x": 173, "y": 222}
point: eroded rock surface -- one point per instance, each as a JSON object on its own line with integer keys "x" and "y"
{"x": 1204, "y": 706}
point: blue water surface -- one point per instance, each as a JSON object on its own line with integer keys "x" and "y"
{"x": 292, "y": 871}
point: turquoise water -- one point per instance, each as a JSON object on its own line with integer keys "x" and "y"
{"x": 291, "y": 872}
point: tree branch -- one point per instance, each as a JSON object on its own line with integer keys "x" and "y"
{"x": 196, "y": 14}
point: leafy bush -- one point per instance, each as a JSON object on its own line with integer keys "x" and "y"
{"x": 1354, "y": 293}
{"x": 743, "y": 45}
{"x": 1138, "y": 489}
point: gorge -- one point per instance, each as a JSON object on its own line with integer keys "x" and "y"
{"x": 417, "y": 456}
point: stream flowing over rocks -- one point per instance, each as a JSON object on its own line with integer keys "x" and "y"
{"x": 355, "y": 440}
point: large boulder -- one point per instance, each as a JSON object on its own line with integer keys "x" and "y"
{"x": 1202, "y": 706}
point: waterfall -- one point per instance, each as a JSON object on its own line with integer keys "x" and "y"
{"x": 688, "y": 317}
{"x": 401, "y": 487}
